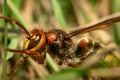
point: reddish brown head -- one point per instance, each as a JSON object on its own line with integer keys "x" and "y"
{"x": 35, "y": 39}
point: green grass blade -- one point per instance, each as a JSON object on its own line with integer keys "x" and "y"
{"x": 17, "y": 13}
{"x": 52, "y": 63}
{"x": 4, "y": 72}
{"x": 58, "y": 13}
{"x": 69, "y": 74}
{"x": 14, "y": 40}
{"x": 18, "y": 3}
{"x": 116, "y": 8}
{"x": 13, "y": 45}
{"x": 14, "y": 6}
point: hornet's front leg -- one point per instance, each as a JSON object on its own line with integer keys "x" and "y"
{"x": 18, "y": 63}
{"x": 22, "y": 59}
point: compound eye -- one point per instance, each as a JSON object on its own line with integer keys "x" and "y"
{"x": 34, "y": 41}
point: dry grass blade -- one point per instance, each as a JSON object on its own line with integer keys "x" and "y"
{"x": 40, "y": 69}
{"x": 106, "y": 72}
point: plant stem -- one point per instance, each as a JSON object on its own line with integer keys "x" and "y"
{"x": 52, "y": 63}
{"x": 4, "y": 72}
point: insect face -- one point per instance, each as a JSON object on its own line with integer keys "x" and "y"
{"x": 35, "y": 44}
{"x": 36, "y": 41}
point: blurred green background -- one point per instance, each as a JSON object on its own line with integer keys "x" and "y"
{"x": 48, "y": 14}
